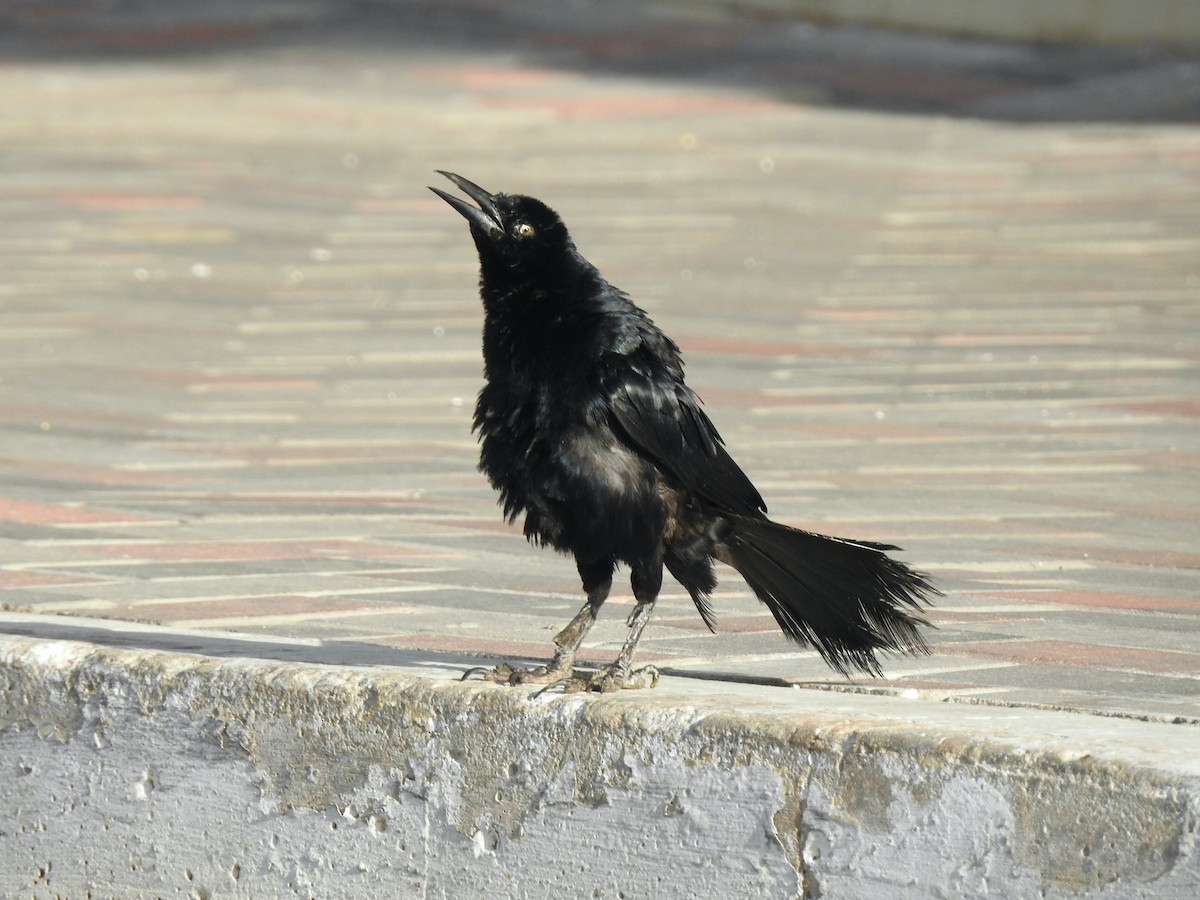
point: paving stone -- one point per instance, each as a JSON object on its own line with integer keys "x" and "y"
{"x": 935, "y": 292}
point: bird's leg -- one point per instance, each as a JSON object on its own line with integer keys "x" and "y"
{"x": 597, "y": 581}
{"x": 566, "y": 645}
{"x": 620, "y": 675}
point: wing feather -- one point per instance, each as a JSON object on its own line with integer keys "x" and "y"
{"x": 660, "y": 417}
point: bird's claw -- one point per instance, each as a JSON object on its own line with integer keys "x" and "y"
{"x": 616, "y": 678}
{"x": 476, "y": 670}
{"x": 568, "y": 685}
{"x": 506, "y": 674}
{"x": 605, "y": 680}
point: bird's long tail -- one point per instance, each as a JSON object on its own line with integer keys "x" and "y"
{"x": 847, "y": 599}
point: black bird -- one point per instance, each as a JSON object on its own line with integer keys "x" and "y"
{"x": 588, "y": 430}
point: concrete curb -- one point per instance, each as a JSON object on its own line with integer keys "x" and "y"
{"x": 156, "y": 772}
{"x": 1173, "y": 23}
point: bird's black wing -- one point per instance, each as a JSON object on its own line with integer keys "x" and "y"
{"x": 660, "y": 417}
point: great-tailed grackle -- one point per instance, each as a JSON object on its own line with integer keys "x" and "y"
{"x": 588, "y": 430}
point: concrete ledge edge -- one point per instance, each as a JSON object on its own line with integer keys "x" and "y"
{"x": 142, "y": 770}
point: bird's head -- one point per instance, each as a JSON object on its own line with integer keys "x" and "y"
{"x": 516, "y": 235}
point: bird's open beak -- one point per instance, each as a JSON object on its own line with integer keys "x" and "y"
{"x": 486, "y": 218}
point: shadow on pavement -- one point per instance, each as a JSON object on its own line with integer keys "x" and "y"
{"x": 137, "y": 636}
{"x": 781, "y": 56}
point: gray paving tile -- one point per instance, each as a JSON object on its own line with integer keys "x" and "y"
{"x": 934, "y": 292}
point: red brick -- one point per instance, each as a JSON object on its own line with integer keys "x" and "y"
{"x": 245, "y": 607}
{"x": 95, "y": 200}
{"x": 183, "y": 551}
{"x": 725, "y": 624}
{"x": 19, "y": 578}
{"x": 1101, "y": 600}
{"x": 1079, "y": 655}
{"x": 753, "y": 347}
{"x": 33, "y": 512}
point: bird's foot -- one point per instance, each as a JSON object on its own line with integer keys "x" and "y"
{"x": 604, "y": 680}
{"x": 608, "y": 679}
{"x": 506, "y": 674}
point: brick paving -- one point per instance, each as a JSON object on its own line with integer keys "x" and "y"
{"x": 940, "y": 293}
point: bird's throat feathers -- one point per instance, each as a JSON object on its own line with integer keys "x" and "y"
{"x": 512, "y": 286}
{"x": 527, "y": 319}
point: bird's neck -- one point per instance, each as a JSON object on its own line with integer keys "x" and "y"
{"x": 530, "y": 322}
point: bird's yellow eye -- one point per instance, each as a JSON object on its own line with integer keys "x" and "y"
{"x": 523, "y": 229}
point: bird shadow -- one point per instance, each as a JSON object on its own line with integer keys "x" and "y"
{"x": 120, "y": 634}
{"x": 125, "y": 635}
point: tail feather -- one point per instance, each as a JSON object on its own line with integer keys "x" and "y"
{"x": 695, "y": 572}
{"x": 847, "y": 599}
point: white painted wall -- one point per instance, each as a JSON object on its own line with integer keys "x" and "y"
{"x": 144, "y": 773}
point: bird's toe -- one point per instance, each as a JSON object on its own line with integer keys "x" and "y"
{"x": 512, "y": 675}
{"x": 615, "y": 678}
